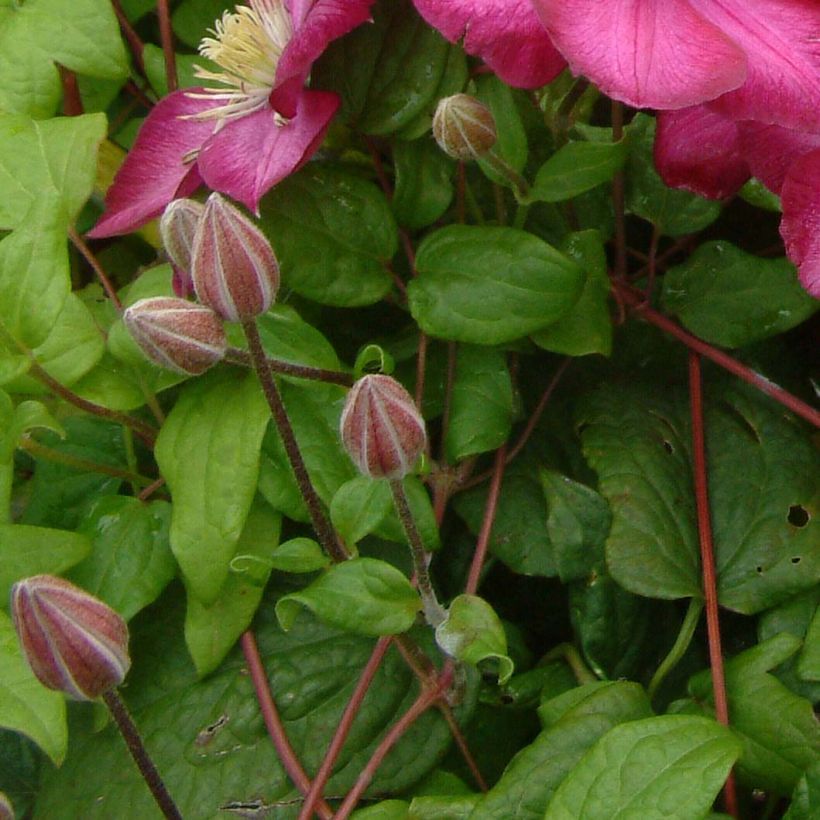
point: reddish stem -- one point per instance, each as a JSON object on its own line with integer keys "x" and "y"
{"x": 72, "y": 102}
{"x": 273, "y": 722}
{"x": 422, "y": 703}
{"x": 89, "y": 257}
{"x": 151, "y": 489}
{"x": 487, "y": 524}
{"x": 134, "y": 42}
{"x": 707, "y": 558}
{"x": 635, "y": 299}
{"x": 343, "y": 729}
{"x": 461, "y": 742}
{"x": 618, "y": 196}
{"x": 166, "y": 36}
{"x": 421, "y": 370}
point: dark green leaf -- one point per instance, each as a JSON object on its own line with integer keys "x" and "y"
{"x": 208, "y": 452}
{"x": 576, "y": 167}
{"x": 806, "y": 798}
{"x": 731, "y": 298}
{"x": 333, "y": 233}
{"x": 363, "y": 595}
{"x": 490, "y": 285}
{"x": 424, "y": 183}
{"x": 192, "y": 18}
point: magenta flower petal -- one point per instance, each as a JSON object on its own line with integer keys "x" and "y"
{"x": 506, "y": 34}
{"x": 154, "y": 172}
{"x": 771, "y": 150}
{"x": 699, "y": 150}
{"x": 316, "y": 23}
{"x": 781, "y": 39}
{"x": 249, "y": 155}
{"x": 647, "y": 53}
{"x": 800, "y": 227}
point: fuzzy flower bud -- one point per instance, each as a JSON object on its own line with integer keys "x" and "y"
{"x": 233, "y": 265}
{"x": 179, "y": 335}
{"x": 73, "y": 642}
{"x": 6, "y": 809}
{"x": 464, "y": 127}
{"x": 177, "y": 228}
{"x": 381, "y": 428}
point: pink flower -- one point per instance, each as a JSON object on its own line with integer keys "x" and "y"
{"x": 506, "y": 34}
{"x": 761, "y": 58}
{"x": 253, "y": 124}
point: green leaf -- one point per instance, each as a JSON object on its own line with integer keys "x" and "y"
{"x": 81, "y": 35}
{"x": 363, "y": 595}
{"x": 535, "y": 772}
{"x": 805, "y": 803}
{"x": 298, "y": 555}
{"x": 587, "y": 328}
{"x": 512, "y": 138}
{"x": 16, "y": 422}
{"x": 777, "y": 728}
{"x": 577, "y": 167}
{"x": 383, "y": 810}
{"x": 208, "y": 738}
{"x": 473, "y": 633}
{"x": 637, "y": 440}
{"x": 130, "y": 561}
{"x": 672, "y": 765}
{"x": 808, "y": 667}
{"x": 519, "y": 536}
{"x": 578, "y": 523}
{"x": 208, "y": 452}
{"x": 26, "y": 551}
{"x": 60, "y": 494}
{"x": 153, "y": 59}
{"x": 25, "y": 704}
{"x": 333, "y": 234}
{"x": 481, "y": 408}
{"x": 192, "y": 18}
{"x": 490, "y": 285}
{"x": 424, "y": 183}
{"x": 731, "y": 298}
{"x": 212, "y": 629}
{"x": 673, "y": 212}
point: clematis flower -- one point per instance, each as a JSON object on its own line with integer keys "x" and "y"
{"x": 506, "y": 34}
{"x": 251, "y": 124}
{"x": 762, "y": 59}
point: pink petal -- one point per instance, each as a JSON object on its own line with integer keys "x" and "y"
{"x": 647, "y": 53}
{"x": 154, "y": 173}
{"x": 781, "y": 39}
{"x": 316, "y": 23}
{"x": 698, "y": 150}
{"x": 800, "y": 227}
{"x": 248, "y": 156}
{"x": 506, "y": 34}
{"x": 771, "y": 150}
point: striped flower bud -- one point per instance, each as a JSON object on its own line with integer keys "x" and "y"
{"x": 381, "y": 428}
{"x": 179, "y": 335}
{"x": 464, "y": 127}
{"x": 73, "y": 642}
{"x": 6, "y": 809}
{"x": 233, "y": 265}
{"x": 177, "y": 228}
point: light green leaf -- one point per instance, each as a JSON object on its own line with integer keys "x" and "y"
{"x": 16, "y": 422}
{"x": 26, "y": 551}
{"x": 81, "y": 35}
{"x": 25, "y": 704}
{"x": 481, "y": 408}
{"x": 299, "y": 555}
{"x": 576, "y": 167}
{"x": 208, "y": 452}
{"x": 333, "y": 234}
{"x": 490, "y": 285}
{"x": 130, "y": 561}
{"x": 212, "y": 629}
{"x": 669, "y": 766}
{"x": 731, "y": 298}
{"x": 363, "y": 595}
{"x": 473, "y": 633}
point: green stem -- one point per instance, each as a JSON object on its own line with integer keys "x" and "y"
{"x": 568, "y": 653}
{"x": 434, "y": 613}
{"x": 520, "y": 218}
{"x": 6, "y": 479}
{"x": 520, "y": 186}
{"x": 321, "y": 524}
{"x": 687, "y": 630}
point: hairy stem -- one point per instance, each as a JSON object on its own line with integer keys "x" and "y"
{"x": 166, "y": 36}
{"x": 89, "y": 257}
{"x": 236, "y": 355}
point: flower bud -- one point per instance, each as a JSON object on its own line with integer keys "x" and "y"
{"x": 73, "y": 642}
{"x": 233, "y": 265}
{"x": 6, "y": 809}
{"x": 464, "y": 127}
{"x": 177, "y": 227}
{"x": 381, "y": 428}
{"x": 176, "y": 334}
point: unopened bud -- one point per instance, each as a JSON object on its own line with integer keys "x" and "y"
{"x": 233, "y": 265}
{"x": 464, "y": 127}
{"x": 182, "y": 336}
{"x": 6, "y": 809}
{"x": 73, "y": 642}
{"x": 381, "y": 428}
{"x": 177, "y": 228}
